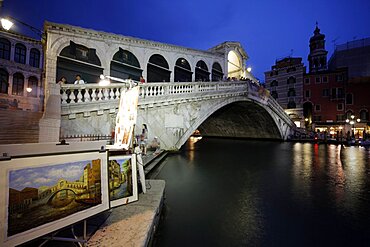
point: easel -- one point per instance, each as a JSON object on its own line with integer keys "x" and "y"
{"x": 81, "y": 242}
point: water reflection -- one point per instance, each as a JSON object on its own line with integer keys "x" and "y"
{"x": 248, "y": 193}
{"x": 334, "y": 172}
{"x": 190, "y": 146}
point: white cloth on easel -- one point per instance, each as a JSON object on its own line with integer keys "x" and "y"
{"x": 140, "y": 166}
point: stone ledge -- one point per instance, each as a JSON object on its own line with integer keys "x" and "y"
{"x": 132, "y": 224}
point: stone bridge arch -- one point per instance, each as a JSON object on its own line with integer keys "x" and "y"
{"x": 208, "y": 119}
{"x": 51, "y": 197}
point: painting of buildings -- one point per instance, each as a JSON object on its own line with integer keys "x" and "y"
{"x": 44, "y": 194}
{"x": 122, "y": 180}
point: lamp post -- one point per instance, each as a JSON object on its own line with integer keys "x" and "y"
{"x": 352, "y": 123}
{"x": 8, "y": 22}
{"x": 105, "y": 80}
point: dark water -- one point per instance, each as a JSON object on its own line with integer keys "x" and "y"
{"x": 223, "y": 192}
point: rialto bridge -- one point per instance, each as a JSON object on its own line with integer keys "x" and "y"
{"x": 186, "y": 89}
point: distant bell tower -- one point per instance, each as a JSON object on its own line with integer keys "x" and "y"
{"x": 318, "y": 55}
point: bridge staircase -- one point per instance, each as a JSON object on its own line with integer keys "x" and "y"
{"x": 19, "y": 126}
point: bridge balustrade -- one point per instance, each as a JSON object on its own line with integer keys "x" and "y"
{"x": 93, "y": 93}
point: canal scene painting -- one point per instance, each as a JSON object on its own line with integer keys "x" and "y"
{"x": 48, "y": 193}
{"x": 122, "y": 180}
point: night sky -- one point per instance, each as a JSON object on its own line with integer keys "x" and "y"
{"x": 267, "y": 29}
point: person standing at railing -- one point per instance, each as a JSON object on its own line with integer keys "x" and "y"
{"x": 62, "y": 81}
{"x": 79, "y": 80}
{"x": 142, "y": 80}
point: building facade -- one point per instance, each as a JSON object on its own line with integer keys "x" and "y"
{"x": 355, "y": 55}
{"x": 285, "y": 83}
{"x": 334, "y": 93}
{"x": 21, "y": 63}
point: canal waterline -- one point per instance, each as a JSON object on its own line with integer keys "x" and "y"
{"x": 223, "y": 192}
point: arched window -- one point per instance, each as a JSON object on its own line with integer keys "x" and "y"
{"x": 217, "y": 73}
{"x": 158, "y": 69}
{"x": 291, "y": 92}
{"x": 35, "y": 58}
{"x": 291, "y": 80}
{"x": 349, "y": 99}
{"x": 78, "y": 59}
{"x": 183, "y": 71}
{"x": 364, "y": 115}
{"x": 201, "y": 71}
{"x": 32, "y": 83}
{"x": 20, "y": 53}
{"x": 124, "y": 65}
{"x": 4, "y": 49}
{"x": 274, "y": 83}
{"x": 18, "y": 84}
{"x": 4, "y": 81}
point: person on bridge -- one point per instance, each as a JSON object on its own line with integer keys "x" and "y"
{"x": 79, "y": 80}
{"x": 142, "y": 80}
{"x": 140, "y": 166}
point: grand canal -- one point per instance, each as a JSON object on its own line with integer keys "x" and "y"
{"x": 222, "y": 192}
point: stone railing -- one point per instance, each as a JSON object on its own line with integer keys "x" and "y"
{"x": 91, "y": 97}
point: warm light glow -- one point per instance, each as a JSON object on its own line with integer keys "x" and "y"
{"x": 297, "y": 123}
{"x": 306, "y": 119}
{"x": 352, "y": 116}
{"x": 29, "y": 89}
{"x": 104, "y": 82}
{"x": 6, "y": 23}
{"x": 347, "y": 120}
{"x": 249, "y": 69}
{"x": 358, "y": 120}
{"x": 340, "y": 127}
{"x": 352, "y": 122}
{"x": 234, "y": 65}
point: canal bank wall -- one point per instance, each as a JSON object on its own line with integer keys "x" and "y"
{"x": 133, "y": 224}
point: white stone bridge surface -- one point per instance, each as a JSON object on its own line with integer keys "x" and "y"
{"x": 173, "y": 111}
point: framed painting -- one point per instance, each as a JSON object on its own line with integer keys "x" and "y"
{"x": 42, "y": 194}
{"x": 122, "y": 180}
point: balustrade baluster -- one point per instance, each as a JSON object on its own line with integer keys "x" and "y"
{"x": 86, "y": 95}
{"x": 100, "y": 95}
{"x": 106, "y": 93}
{"x": 118, "y": 93}
{"x": 93, "y": 95}
{"x": 111, "y": 94}
{"x": 72, "y": 97}
{"x": 64, "y": 96}
{"x": 79, "y": 96}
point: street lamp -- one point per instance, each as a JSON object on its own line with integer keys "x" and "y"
{"x": 352, "y": 123}
{"x": 8, "y": 22}
{"x": 249, "y": 69}
{"x": 105, "y": 80}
